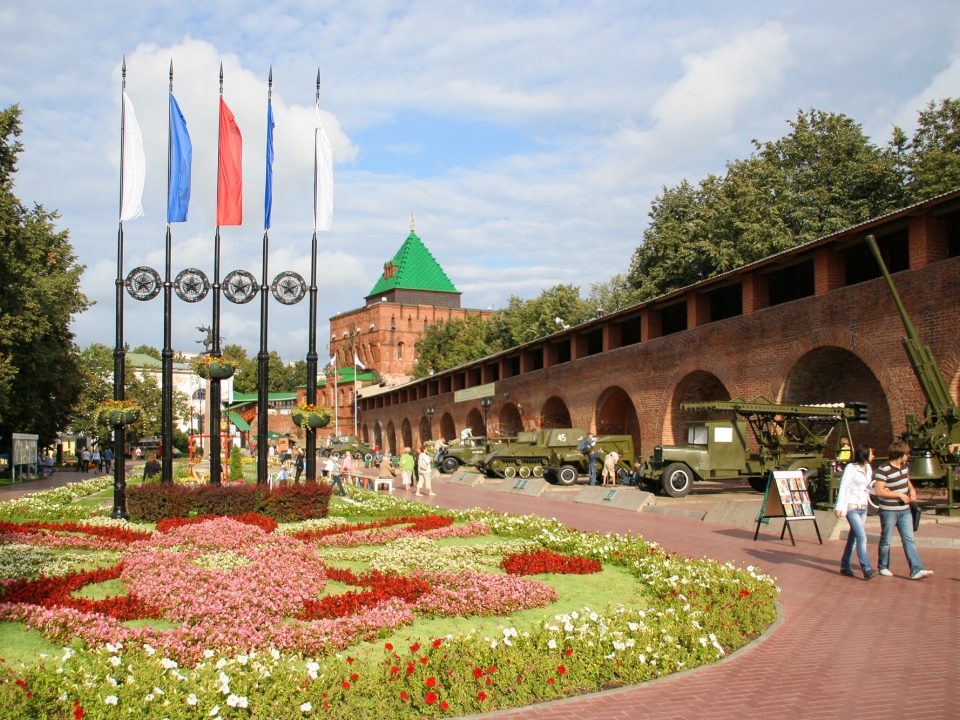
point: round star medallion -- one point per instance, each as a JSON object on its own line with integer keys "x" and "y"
{"x": 288, "y": 288}
{"x": 240, "y": 287}
{"x": 191, "y": 285}
{"x": 143, "y": 283}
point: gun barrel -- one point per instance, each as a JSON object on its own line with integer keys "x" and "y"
{"x": 907, "y": 324}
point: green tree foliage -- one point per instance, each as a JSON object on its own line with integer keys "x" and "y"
{"x": 444, "y": 345}
{"x": 236, "y": 464}
{"x": 930, "y": 161}
{"x": 821, "y": 177}
{"x": 148, "y": 350}
{"x": 615, "y": 294}
{"x": 40, "y": 378}
{"x": 281, "y": 377}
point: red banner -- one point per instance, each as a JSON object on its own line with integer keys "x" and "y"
{"x": 230, "y": 170}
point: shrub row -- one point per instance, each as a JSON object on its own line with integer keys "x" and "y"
{"x": 153, "y": 502}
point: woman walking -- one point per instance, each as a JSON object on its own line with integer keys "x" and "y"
{"x": 852, "y": 500}
{"x": 425, "y": 469}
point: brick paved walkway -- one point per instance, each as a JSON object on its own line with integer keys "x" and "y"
{"x": 833, "y": 657}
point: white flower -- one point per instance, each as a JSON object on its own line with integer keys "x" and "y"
{"x": 115, "y": 661}
{"x": 111, "y": 700}
{"x": 191, "y": 699}
{"x": 158, "y": 691}
{"x": 149, "y": 697}
{"x": 112, "y": 648}
{"x": 593, "y": 616}
{"x": 242, "y": 659}
{"x": 168, "y": 664}
{"x": 274, "y": 653}
{"x": 306, "y": 707}
{"x": 642, "y": 658}
{"x": 208, "y": 653}
{"x": 552, "y": 644}
{"x": 233, "y": 701}
{"x": 215, "y": 711}
{"x": 749, "y": 568}
{"x": 149, "y": 650}
{"x": 242, "y": 701}
{"x": 111, "y": 681}
{"x": 633, "y": 626}
{"x": 221, "y": 663}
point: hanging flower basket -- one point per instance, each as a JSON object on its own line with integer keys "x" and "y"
{"x": 312, "y": 417}
{"x": 118, "y": 412}
{"x": 214, "y": 367}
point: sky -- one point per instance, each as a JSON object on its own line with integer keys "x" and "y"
{"x": 529, "y": 137}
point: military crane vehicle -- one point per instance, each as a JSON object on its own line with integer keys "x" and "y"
{"x": 789, "y": 437}
{"x": 934, "y": 438}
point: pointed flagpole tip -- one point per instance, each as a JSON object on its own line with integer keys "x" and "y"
{"x": 123, "y": 66}
{"x": 270, "y": 76}
{"x": 221, "y": 77}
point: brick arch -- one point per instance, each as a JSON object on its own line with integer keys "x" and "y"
{"x": 949, "y": 362}
{"x": 406, "y": 433}
{"x": 694, "y": 387}
{"x": 511, "y": 422}
{"x": 663, "y": 420}
{"x": 378, "y": 434}
{"x": 615, "y": 414}
{"x": 554, "y": 413}
{"x": 832, "y": 374}
{"x": 391, "y": 438}
{"x": 448, "y": 430}
{"x": 475, "y": 422}
{"x": 425, "y": 431}
{"x": 365, "y": 433}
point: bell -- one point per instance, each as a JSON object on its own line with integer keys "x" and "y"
{"x": 924, "y": 465}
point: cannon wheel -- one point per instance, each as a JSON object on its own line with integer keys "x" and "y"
{"x": 449, "y": 465}
{"x": 677, "y": 480}
{"x": 567, "y": 475}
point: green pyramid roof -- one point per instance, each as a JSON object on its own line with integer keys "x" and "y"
{"x": 414, "y": 268}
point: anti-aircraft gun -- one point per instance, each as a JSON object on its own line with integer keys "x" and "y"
{"x": 789, "y": 437}
{"x": 934, "y": 439}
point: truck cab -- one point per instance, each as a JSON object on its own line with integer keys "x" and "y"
{"x": 714, "y": 449}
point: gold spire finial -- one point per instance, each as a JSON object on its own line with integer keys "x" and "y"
{"x": 413, "y": 221}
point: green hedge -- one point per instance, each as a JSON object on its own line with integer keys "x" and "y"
{"x": 153, "y": 502}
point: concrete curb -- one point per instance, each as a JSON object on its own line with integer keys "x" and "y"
{"x": 781, "y": 618}
{"x": 676, "y": 512}
{"x": 532, "y": 487}
{"x": 614, "y": 497}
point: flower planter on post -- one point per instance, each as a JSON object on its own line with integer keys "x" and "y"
{"x": 215, "y": 368}
{"x": 311, "y": 420}
{"x": 123, "y": 417}
{"x": 221, "y": 370}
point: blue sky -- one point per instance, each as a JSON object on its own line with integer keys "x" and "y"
{"x": 528, "y": 137}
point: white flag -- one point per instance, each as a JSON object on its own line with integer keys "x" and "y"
{"x": 333, "y": 361}
{"x": 356, "y": 361}
{"x": 323, "y": 183}
{"x": 134, "y": 164}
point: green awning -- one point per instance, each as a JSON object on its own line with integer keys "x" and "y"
{"x": 239, "y": 421}
{"x": 271, "y": 435}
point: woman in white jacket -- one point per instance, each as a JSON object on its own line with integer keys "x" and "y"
{"x": 425, "y": 470}
{"x": 852, "y": 500}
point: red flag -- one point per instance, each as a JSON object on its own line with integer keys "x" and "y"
{"x": 230, "y": 171}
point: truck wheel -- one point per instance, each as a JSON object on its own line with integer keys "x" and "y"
{"x": 336, "y": 455}
{"x": 368, "y": 457}
{"x": 677, "y": 480}
{"x": 449, "y": 465}
{"x": 567, "y": 475}
{"x": 621, "y": 475}
{"x": 758, "y": 483}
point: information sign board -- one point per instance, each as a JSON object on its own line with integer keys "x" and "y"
{"x": 787, "y": 497}
{"x": 475, "y": 393}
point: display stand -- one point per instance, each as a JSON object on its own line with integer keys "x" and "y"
{"x": 790, "y": 500}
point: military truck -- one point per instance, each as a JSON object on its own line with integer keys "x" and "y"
{"x": 552, "y": 454}
{"x": 340, "y": 445}
{"x": 468, "y": 451}
{"x": 789, "y": 437}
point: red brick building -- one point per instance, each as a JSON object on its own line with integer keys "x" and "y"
{"x": 815, "y": 323}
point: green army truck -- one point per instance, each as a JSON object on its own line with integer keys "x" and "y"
{"x": 553, "y": 454}
{"x": 340, "y": 445}
{"x": 788, "y": 437}
{"x": 468, "y": 451}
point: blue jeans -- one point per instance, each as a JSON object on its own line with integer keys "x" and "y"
{"x": 902, "y": 520}
{"x": 592, "y": 467}
{"x": 857, "y": 536}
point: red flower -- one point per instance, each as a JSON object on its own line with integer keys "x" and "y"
{"x": 489, "y": 681}
{"x": 744, "y": 592}
{"x": 491, "y": 669}
{"x": 431, "y": 682}
{"x": 477, "y": 673}
{"x": 424, "y": 661}
{"x": 443, "y": 705}
{"x": 326, "y": 705}
{"x": 481, "y": 696}
{"x": 346, "y": 685}
{"x": 550, "y": 681}
{"x": 388, "y": 646}
{"x": 708, "y": 607}
{"x": 404, "y": 696}
{"x": 561, "y": 670}
{"x": 354, "y": 677}
{"x": 437, "y": 644}
{"x": 394, "y": 670}
{"x": 410, "y": 668}
{"x": 546, "y": 561}
{"x": 414, "y": 647}
{"x": 349, "y": 660}
{"x": 430, "y": 698}
{"x": 22, "y": 683}
{"x": 568, "y": 652}
{"x": 78, "y": 712}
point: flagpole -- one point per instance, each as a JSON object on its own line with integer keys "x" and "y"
{"x": 354, "y": 343}
{"x": 312, "y": 346}
{"x": 166, "y": 399}
{"x": 215, "y": 382}
{"x": 263, "y": 357}
{"x": 336, "y": 402}
{"x": 119, "y": 352}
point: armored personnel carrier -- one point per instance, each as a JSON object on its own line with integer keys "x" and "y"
{"x": 468, "y": 451}
{"x": 340, "y": 445}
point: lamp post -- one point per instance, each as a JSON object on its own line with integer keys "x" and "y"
{"x": 485, "y": 403}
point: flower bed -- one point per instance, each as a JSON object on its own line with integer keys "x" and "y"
{"x": 251, "y": 633}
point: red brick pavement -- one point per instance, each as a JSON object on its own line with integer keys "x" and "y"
{"x": 849, "y": 649}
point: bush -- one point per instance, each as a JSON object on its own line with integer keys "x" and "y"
{"x": 236, "y": 464}
{"x": 155, "y": 502}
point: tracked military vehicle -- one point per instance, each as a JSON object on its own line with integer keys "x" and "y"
{"x": 789, "y": 437}
{"x": 468, "y": 451}
{"x": 340, "y": 445}
{"x": 552, "y": 454}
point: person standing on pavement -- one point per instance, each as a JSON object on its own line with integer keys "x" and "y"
{"x": 590, "y": 448}
{"x": 85, "y": 459}
{"x": 852, "y": 500}
{"x": 335, "y": 471}
{"x": 425, "y": 469}
{"x": 108, "y": 460}
{"x": 298, "y": 464}
{"x": 346, "y": 466}
{"x": 407, "y": 464}
{"x": 610, "y": 467}
{"x": 895, "y": 493}
{"x": 96, "y": 460}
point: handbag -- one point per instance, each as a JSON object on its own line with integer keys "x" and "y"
{"x": 915, "y": 511}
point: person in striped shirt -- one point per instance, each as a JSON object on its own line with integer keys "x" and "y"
{"x": 895, "y": 492}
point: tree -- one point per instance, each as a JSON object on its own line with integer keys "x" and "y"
{"x": 280, "y": 377}
{"x": 444, "y": 345}
{"x": 148, "y": 350}
{"x": 40, "y": 377}
{"x": 930, "y": 161}
{"x": 615, "y": 294}
{"x": 821, "y": 177}
{"x": 96, "y": 363}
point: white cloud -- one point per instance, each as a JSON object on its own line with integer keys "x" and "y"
{"x": 945, "y": 84}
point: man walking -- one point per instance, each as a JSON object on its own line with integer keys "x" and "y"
{"x": 590, "y": 448}
{"x": 895, "y": 492}
{"x": 108, "y": 459}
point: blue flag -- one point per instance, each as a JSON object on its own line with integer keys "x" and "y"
{"x": 268, "y": 194}
{"x": 181, "y": 157}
